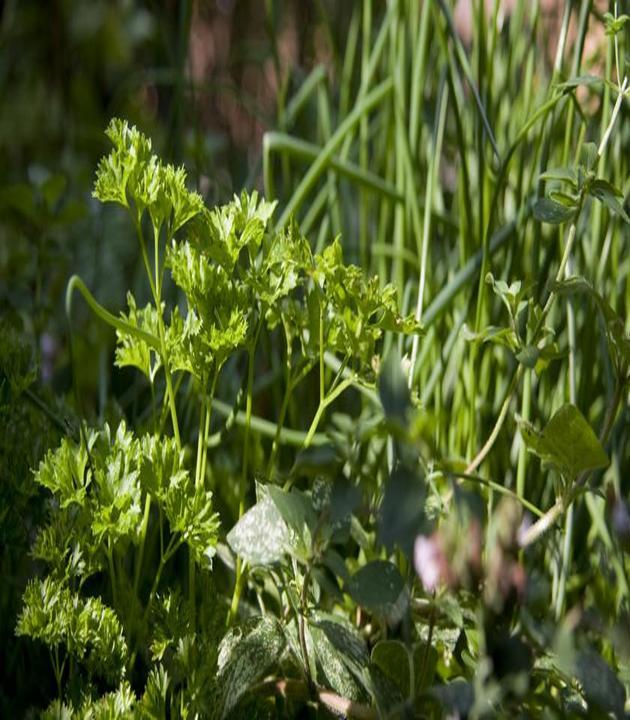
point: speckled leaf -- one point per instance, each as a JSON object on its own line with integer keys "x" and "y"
{"x": 332, "y": 671}
{"x": 245, "y": 655}
{"x": 261, "y": 536}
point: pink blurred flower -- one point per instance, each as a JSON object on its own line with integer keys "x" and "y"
{"x": 429, "y": 561}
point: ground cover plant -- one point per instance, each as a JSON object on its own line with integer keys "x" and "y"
{"x": 372, "y": 458}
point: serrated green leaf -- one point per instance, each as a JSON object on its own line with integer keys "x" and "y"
{"x": 190, "y": 512}
{"x": 89, "y": 630}
{"x": 614, "y": 25}
{"x": 131, "y": 351}
{"x": 64, "y": 472}
{"x": 567, "y": 442}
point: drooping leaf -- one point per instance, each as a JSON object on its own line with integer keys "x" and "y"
{"x": 587, "y": 80}
{"x": 401, "y": 515}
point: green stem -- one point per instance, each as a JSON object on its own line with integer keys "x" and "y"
{"x": 324, "y": 403}
{"x": 112, "y": 573}
{"x": 143, "y": 537}
{"x": 171, "y": 548}
{"x": 239, "y": 574}
{"x": 156, "y": 289}
{"x": 206, "y": 428}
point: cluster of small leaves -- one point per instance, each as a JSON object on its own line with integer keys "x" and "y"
{"x": 100, "y": 487}
{"x": 87, "y": 629}
{"x": 233, "y": 271}
{"x": 571, "y": 186}
{"x": 135, "y": 178}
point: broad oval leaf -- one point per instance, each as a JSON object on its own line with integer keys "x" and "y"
{"x": 561, "y": 174}
{"x": 528, "y": 356}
